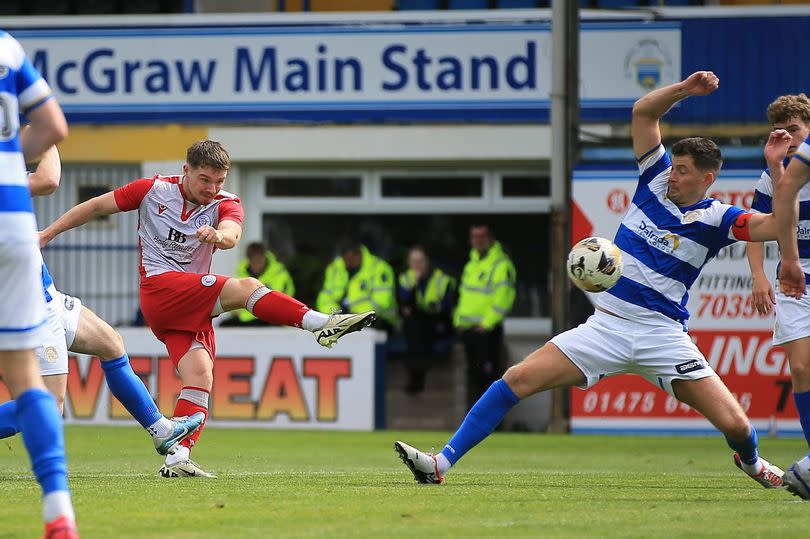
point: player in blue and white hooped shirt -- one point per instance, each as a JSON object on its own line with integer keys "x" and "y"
{"x": 790, "y": 113}
{"x": 72, "y": 326}
{"x": 790, "y": 184}
{"x": 667, "y": 235}
{"x": 22, "y": 313}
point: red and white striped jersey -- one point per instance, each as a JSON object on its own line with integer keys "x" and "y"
{"x": 168, "y": 223}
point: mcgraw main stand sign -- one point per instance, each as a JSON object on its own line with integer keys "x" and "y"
{"x": 272, "y": 378}
{"x": 484, "y": 71}
{"x": 724, "y": 324}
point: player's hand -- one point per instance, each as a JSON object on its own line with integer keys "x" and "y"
{"x": 43, "y": 239}
{"x": 701, "y": 83}
{"x": 791, "y": 279}
{"x": 763, "y": 295}
{"x": 777, "y": 146}
{"x": 209, "y": 234}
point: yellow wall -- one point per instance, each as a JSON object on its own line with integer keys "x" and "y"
{"x": 130, "y": 144}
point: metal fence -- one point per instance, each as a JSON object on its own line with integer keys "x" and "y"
{"x": 98, "y": 262}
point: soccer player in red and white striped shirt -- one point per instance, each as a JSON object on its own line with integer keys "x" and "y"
{"x": 182, "y": 221}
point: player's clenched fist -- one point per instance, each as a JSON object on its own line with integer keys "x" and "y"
{"x": 701, "y": 83}
{"x": 209, "y": 234}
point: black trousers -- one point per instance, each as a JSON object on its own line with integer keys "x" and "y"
{"x": 484, "y": 362}
{"x": 422, "y": 332}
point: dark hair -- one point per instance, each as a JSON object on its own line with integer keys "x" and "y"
{"x": 704, "y": 152}
{"x": 481, "y": 224}
{"x": 350, "y": 246}
{"x": 255, "y": 248}
{"x": 208, "y": 153}
{"x": 789, "y": 106}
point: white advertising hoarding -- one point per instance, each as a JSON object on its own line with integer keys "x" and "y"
{"x": 269, "y": 377}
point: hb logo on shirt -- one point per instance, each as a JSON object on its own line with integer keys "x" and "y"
{"x": 176, "y": 236}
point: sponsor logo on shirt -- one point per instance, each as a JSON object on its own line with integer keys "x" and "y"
{"x": 803, "y": 232}
{"x": 689, "y": 366}
{"x": 663, "y": 241}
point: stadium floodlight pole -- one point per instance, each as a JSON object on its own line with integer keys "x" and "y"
{"x": 564, "y": 136}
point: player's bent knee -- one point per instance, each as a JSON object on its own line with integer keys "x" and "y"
{"x": 520, "y": 380}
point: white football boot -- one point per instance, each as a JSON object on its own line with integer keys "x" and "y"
{"x": 423, "y": 466}
{"x": 769, "y": 477}
{"x": 797, "y": 478}
{"x": 339, "y": 325}
{"x": 184, "y": 468}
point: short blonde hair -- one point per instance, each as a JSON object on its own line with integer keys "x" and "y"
{"x": 208, "y": 153}
{"x": 789, "y": 106}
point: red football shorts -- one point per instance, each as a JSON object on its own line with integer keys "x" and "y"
{"x": 177, "y": 308}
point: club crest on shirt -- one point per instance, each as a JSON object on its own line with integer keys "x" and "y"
{"x": 50, "y": 354}
{"x": 161, "y": 209}
{"x": 202, "y": 220}
{"x": 691, "y": 216}
{"x": 208, "y": 280}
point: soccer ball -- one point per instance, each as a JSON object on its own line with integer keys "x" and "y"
{"x": 594, "y": 264}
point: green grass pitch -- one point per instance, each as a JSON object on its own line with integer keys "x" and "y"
{"x": 333, "y": 484}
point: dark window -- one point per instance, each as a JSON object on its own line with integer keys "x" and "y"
{"x": 86, "y": 192}
{"x": 324, "y": 186}
{"x": 432, "y": 187}
{"x": 298, "y": 242}
{"x": 525, "y": 186}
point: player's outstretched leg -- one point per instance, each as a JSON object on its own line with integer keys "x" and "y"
{"x": 481, "y": 420}
{"x": 92, "y": 335}
{"x": 278, "y": 308}
{"x": 711, "y": 398}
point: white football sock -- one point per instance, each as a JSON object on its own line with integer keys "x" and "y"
{"x": 443, "y": 464}
{"x": 314, "y": 320}
{"x": 752, "y": 469}
{"x": 181, "y": 453}
{"x": 57, "y": 503}
{"x": 161, "y": 427}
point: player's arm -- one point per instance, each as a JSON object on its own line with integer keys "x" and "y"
{"x": 225, "y": 236}
{"x": 787, "y": 184}
{"x": 648, "y": 110}
{"x": 761, "y": 289}
{"x": 47, "y": 127}
{"x": 45, "y": 179}
{"x": 78, "y": 215}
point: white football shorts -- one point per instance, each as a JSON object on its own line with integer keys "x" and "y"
{"x": 22, "y": 311}
{"x": 63, "y": 320}
{"x": 792, "y": 318}
{"x": 659, "y": 350}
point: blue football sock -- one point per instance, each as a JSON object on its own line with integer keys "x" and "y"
{"x": 129, "y": 389}
{"x": 481, "y": 420}
{"x": 802, "y": 401}
{"x": 41, "y": 427}
{"x": 8, "y": 419}
{"x": 746, "y": 448}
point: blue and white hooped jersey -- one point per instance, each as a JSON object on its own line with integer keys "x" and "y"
{"x": 663, "y": 246}
{"x": 763, "y": 203}
{"x": 22, "y": 89}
